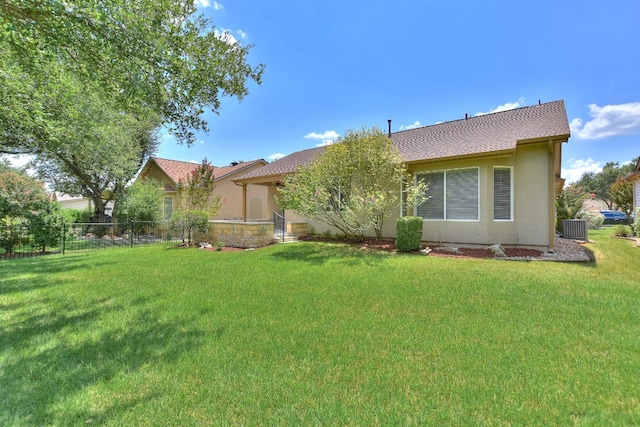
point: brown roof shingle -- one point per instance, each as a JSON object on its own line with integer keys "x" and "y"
{"x": 474, "y": 136}
{"x": 488, "y": 133}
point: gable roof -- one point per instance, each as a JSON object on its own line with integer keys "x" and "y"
{"x": 285, "y": 165}
{"x": 177, "y": 170}
{"x": 488, "y": 134}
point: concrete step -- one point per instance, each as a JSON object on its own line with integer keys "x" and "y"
{"x": 287, "y": 238}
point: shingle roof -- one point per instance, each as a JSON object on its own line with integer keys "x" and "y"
{"x": 474, "y": 136}
{"x": 285, "y": 165}
{"x": 177, "y": 170}
{"x": 488, "y": 133}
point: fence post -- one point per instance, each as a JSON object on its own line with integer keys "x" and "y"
{"x": 131, "y": 233}
{"x": 64, "y": 236}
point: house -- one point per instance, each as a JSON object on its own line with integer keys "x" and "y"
{"x": 79, "y": 203}
{"x": 236, "y": 204}
{"x": 634, "y": 177}
{"x": 492, "y": 178}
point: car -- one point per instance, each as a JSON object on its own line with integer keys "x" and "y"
{"x": 614, "y": 217}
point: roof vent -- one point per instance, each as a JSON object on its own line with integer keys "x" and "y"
{"x": 234, "y": 163}
{"x": 389, "y": 121}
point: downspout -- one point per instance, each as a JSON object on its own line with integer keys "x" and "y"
{"x": 552, "y": 196}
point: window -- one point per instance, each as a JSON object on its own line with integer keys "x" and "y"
{"x": 167, "y": 208}
{"x": 453, "y": 195}
{"x": 502, "y": 194}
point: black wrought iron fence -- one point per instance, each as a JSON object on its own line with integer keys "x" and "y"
{"x": 23, "y": 240}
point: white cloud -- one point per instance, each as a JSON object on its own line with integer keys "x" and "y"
{"x": 241, "y": 34}
{"x": 327, "y": 138}
{"x": 207, "y": 3}
{"x": 225, "y": 35}
{"x": 578, "y": 167}
{"x": 415, "y": 124}
{"x": 608, "y": 121}
{"x": 504, "y": 107}
{"x": 275, "y": 156}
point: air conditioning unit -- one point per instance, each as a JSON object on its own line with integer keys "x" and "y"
{"x": 574, "y": 229}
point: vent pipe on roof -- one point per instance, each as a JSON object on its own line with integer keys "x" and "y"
{"x": 234, "y": 163}
{"x": 389, "y": 121}
{"x": 466, "y": 116}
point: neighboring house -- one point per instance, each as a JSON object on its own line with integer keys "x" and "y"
{"x": 78, "y": 203}
{"x": 634, "y": 177}
{"x": 172, "y": 172}
{"x": 493, "y": 178}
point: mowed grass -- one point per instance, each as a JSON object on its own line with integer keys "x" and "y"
{"x": 319, "y": 334}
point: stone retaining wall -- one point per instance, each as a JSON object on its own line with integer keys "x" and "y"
{"x": 240, "y": 234}
{"x": 297, "y": 228}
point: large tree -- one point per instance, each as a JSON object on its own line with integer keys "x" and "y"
{"x": 599, "y": 184}
{"x": 152, "y": 58}
{"x": 90, "y": 147}
{"x": 353, "y": 185}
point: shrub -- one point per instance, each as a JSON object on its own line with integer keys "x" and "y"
{"x": 408, "y": 233}
{"x": 622, "y": 231}
{"x": 594, "y": 220}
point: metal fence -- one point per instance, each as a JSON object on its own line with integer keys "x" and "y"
{"x": 21, "y": 241}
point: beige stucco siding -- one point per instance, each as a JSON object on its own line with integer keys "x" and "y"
{"x": 531, "y": 178}
{"x": 532, "y": 174}
{"x": 530, "y": 218}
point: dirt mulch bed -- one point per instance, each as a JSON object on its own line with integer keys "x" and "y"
{"x": 388, "y": 245}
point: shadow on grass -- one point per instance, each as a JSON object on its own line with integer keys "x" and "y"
{"x": 52, "y": 350}
{"x": 319, "y": 253}
{"x": 12, "y": 279}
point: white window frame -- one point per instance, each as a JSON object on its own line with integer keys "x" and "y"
{"x": 444, "y": 171}
{"x": 511, "y": 193}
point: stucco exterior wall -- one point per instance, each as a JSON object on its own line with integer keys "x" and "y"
{"x": 230, "y": 194}
{"x": 532, "y": 215}
{"x": 531, "y": 211}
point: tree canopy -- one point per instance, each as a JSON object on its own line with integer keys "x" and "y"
{"x": 151, "y": 58}
{"x": 599, "y": 184}
{"x": 353, "y": 185}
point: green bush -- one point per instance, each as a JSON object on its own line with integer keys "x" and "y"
{"x": 622, "y": 231}
{"x": 408, "y": 233}
{"x": 595, "y": 220}
{"x": 636, "y": 224}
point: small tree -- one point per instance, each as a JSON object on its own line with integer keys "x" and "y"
{"x": 141, "y": 203}
{"x": 49, "y": 227}
{"x": 621, "y": 193}
{"x": 353, "y": 185}
{"x": 197, "y": 203}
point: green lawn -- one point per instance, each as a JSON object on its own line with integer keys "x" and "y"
{"x": 319, "y": 334}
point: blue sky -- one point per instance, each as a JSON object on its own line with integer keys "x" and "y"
{"x": 337, "y": 65}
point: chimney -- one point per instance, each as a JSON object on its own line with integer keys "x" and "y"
{"x": 389, "y": 121}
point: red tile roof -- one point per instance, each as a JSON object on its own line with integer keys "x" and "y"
{"x": 474, "y": 136}
{"x": 177, "y": 170}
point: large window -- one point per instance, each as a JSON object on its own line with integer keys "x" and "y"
{"x": 453, "y": 195}
{"x": 502, "y": 194}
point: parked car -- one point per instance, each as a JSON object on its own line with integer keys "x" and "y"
{"x": 615, "y": 217}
